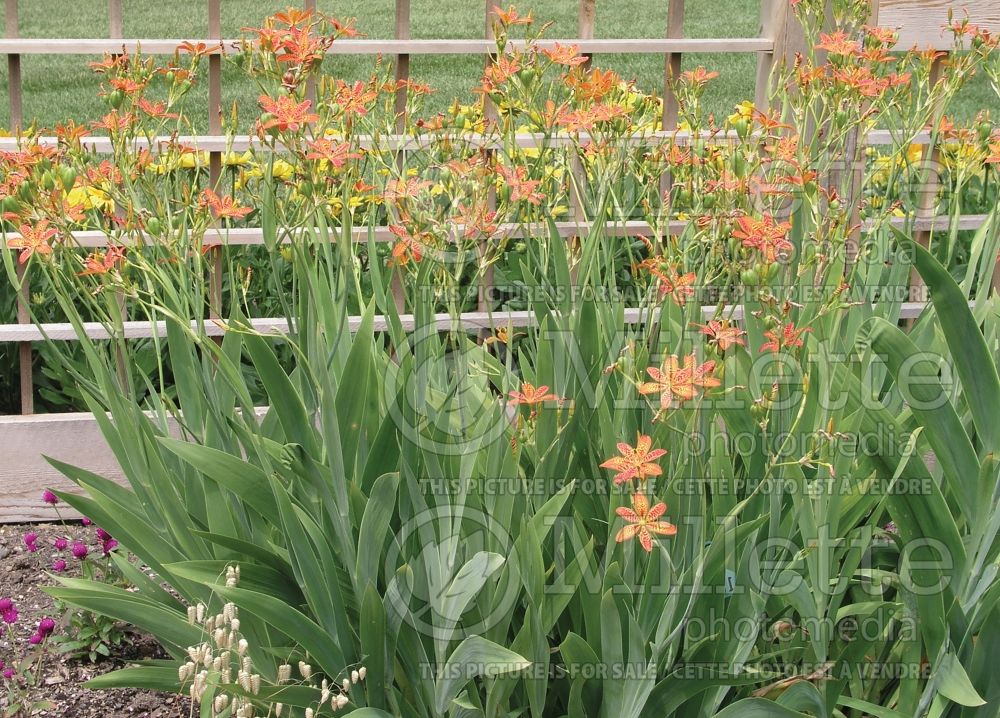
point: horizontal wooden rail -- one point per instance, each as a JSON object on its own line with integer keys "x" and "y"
{"x": 159, "y": 46}
{"x": 404, "y": 142}
{"x": 63, "y": 331}
{"x": 254, "y": 236}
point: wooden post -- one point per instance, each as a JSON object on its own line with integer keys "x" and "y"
{"x": 672, "y": 62}
{"x": 778, "y": 24}
{"x": 402, "y": 32}
{"x": 13, "y": 68}
{"x": 490, "y": 115}
{"x": 402, "y": 61}
{"x": 215, "y": 157}
{"x": 931, "y": 160}
{"x": 586, "y": 20}
{"x": 24, "y": 353}
{"x": 671, "y": 68}
{"x": 311, "y": 82}
{"x": 115, "y": 22}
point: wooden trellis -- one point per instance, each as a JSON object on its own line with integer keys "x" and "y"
{"x": 75, "y": 437}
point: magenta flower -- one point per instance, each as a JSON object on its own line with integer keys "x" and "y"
{"x": 109, "y": 546}
{"x": 59, "y": 565}
{"x": 49, "y": 498}
{"x": 46, "y": 626}
{"x": 79, "y": 550}
{"x": 85, "y": 521}
{"x": 6, "y": 604}
{"x": 8, "y": 611}
{"x": 29, "y": 540}
{"x": 36, "y": 639}
{"x": 61, "y": 543}
{"x": 8, "y": 673}
{"x": 102, "y": 534}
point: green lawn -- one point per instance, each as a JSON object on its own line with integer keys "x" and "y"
{"x": 61, "y": 87}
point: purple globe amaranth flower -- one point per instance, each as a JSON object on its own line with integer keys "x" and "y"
{"x": 35, "y": 639}
{"x": 6, "y": 604}
{"x": 30, "y": 540}
{"x": 8, "y": 673}
{"x": 80, "y": 550}
{"x": 59, "y": 565}
{"x": 10, "y": 616}
{"x": 46, "y": 626}
{"x": 85, "y": 521}
{"x": 102, "y": 534}
{"x": 49, "y": 498}
{"x": 61, "y": 543}
{"x": 109, "y": 546}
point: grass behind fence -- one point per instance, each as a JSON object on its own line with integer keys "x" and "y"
{"x": 59, "y": 87}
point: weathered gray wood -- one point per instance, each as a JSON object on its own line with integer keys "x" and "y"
{"x": 924, "y": 22}
{"x": 254, "y": 235}
{"x": 157, "y": 46}
{"x": 391, "y": 143}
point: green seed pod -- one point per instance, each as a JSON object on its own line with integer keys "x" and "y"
{"x": 153, "y": 226}
{"x": 750, "y": 278}
{"x": 115, "y": 98}
{"x": 67, "y": 176}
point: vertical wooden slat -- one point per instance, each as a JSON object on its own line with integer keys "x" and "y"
{"x": 774, "y": 15}
{"x": 402, "y": 60}
{"x": 116, "y": 29}
{"x": 672, "y": 62}
{"x": 402, "y": 32}
{"x": 931, "y": 160}
{"x": 490, "y": 114}
{"x": 24, "y": 352}
{"x": 311, "y": 82}
{"x": 116, "y": 23}
{"x": 215, "y": 158}
{"x": 586, "y": 21}
{"x": 13, "y": 67}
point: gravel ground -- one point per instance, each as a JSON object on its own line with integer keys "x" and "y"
{"x": 60, "y": 683}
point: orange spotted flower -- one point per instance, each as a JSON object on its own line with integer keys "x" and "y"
{"x": 354, "y": 98}
{"x": 674, "y": 381}
{"x": 699, "y": 76}
{"x": 722, "y": 334}
{"x": 223, "y": 207}
{"x": 994, "y": 156}
{"x": 33, "y": 240}
{"x": 635, "y": 462}
{"x": 285, "y": 113}
{"x": 510, "y": 16}
{"x": 837, "y": 43}
{"x": 788, "y": 337}
{"x": 565, "y": 55}
{"x": 336, "y": 153}
{"x": 407, "y": 247}
{"x": 530, "y": 395}
{"x": 765, "y": 235}
{"x": 679, "y": 287}
{"x": 102, "y": 263}
{"x": 643, "y": 521}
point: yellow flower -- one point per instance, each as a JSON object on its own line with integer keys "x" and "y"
{"x": 744, "y": 111}
{"x": 190, "y": 160}
{"x": 90, "y": 197}
{"x": 282, "y": 170}
{"x": 4, "y": 133}
{"x": 234, "y": 159}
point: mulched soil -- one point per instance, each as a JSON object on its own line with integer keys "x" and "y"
{"x": 22, "y": 573}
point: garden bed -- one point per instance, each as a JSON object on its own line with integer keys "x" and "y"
{"x": 23, "y": 574}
